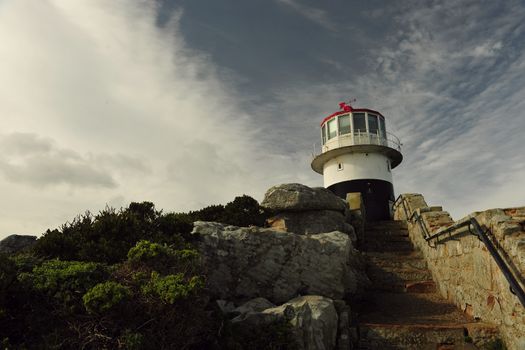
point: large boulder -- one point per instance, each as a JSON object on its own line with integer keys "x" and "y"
{"x": 313, "y": 321}
{"x": 297, "y": 197}
{"x": 250, "y": 262}
{"x": 16, "y": 243}
{"x": 311, "y": 222}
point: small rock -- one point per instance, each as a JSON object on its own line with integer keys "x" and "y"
{"x": 254, "y": 305}
{"x": 314, "y": 322}
{"x": 226, "y": 307}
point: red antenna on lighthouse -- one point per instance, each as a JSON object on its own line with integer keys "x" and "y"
{"x": 347, "y": 106}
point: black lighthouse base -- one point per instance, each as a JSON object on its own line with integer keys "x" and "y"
{"x": 377, "y": 196}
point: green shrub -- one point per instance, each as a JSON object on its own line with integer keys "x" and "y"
{"x": 64, "y": 281}
{"x": 132, "y": 340}
{"x": 211, "y": 213}
{"x": 108, "y": 236}
{"x": 189, "y": 255}
{"x": 105, "y": 296}
{"x": 164, "y": 259}
{"x": 146, "y": 252}
{"x": 244, "y": 211}
{"x": 7, "y": 272}
{"x": 172, "y": 288}
{"x": 57, "y": 244}
{"x": 26, "y": 262}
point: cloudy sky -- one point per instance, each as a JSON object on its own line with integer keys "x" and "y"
{"x": 190, "y": 103}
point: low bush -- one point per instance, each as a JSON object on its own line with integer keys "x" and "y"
{"x": 107, "y": 236}
{"x": 64, "y": 279}
{"x": 172, "y": 288}
{"x": 146, "y": 252}
{"x": 105, "y": 296}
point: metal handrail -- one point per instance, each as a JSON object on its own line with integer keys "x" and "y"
{"x": 421, "y": 223}
{"x": 402, "y": 203}
{"x": 448, "y": 231}
{"x": 415, "y": 214}
{"x": 358, "y": 138}
{"x": 515, "y": 287}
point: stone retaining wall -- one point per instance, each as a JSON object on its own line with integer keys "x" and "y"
{"x": 463, "y": 269}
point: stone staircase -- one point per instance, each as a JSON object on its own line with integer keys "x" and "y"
{"x": 403, "y": 309}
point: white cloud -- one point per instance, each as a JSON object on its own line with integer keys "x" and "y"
{"x": 35, "y": 161}
{"x": 487, "y": 49}
{"x": 313, "y": 14}
{"x": 100, "y": 105}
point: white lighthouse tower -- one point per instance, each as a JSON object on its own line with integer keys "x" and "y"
{"x": 357, "y": 154}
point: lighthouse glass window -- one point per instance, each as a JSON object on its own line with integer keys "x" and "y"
{"x": 359, "y": 123}
{"x": 344, "y": 124}
{"x": 382, "y": 127}
{"x": 373, "y": 125}
{"x": 332, "y": 129}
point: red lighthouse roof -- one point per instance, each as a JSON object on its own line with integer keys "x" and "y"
{"x": 345, "y": 108}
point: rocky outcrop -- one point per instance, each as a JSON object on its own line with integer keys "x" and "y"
{"x": 313, "y": 320}
{"x": 311, "y": 222}
{"x": 297, "y": 197}
{"x": 304, "y": 210}
{"x": 252, "y": 262}
{"x": 16, "y": 243}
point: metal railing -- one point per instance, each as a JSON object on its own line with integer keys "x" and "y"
{"x": 454, "y": 231}
{"x": 358, "y": 138}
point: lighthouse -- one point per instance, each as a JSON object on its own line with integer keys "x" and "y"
{"x": 357, "y": 154}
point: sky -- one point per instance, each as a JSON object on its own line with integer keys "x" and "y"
{"x": 190, "y": 103}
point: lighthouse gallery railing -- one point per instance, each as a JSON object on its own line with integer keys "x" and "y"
{"x": 357, "y": 138}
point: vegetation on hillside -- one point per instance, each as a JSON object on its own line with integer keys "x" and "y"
{"x": 121, "y": 279}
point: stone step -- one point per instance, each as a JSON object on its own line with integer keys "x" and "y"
{"x": 409, "y": 321}
{"x": 386, "y": 224}
{"x": 392, "y": 260}
{"x": 403, "y": 309}
{"x": 387, "y": 232}
{"x": 422, "y": 336}
{"x": 420, "y": 287}
{"x": 382, "y": 235}
{"x": 385, "y": 239}
{"x": 406, "y": 287}
{"x": 395, "y": 246}
{"x": 381, "y": 276}
{"x": 409, "y": 308}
